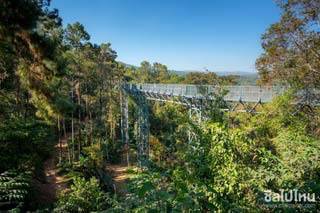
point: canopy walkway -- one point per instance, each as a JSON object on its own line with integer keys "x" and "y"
{"x": 196, "y": 99}
{"x": 234, "y": 93}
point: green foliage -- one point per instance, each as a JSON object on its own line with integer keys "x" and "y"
{"x": 227, "y": 169}
{"x": 112, "y": 150}
{"x": 218, "y": 173}
{"x": 287, "y": 42}
{"x": 148, "y": 191}
{"x": 76, "y": 35}
{"x": 285, "y": 132}
{"x": 159, "y": 73}
{"x": 200, "y": 78}
{"x": 169, "y": 117}
{"x": 148, "y": 73}
{"x": 300, "y": 156}
{"x": 57, "y": 75}
{"x": 19, "y": 138}
{"x": 84, "y": 196}
{"x": 94, "y": 156}
{"x": 14, "y": 186}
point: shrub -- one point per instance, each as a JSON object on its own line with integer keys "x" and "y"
{"x": 85, "y": 196}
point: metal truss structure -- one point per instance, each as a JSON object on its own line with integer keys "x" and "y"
{"x": 142, "y": 122}
{"x": 125, "y": 123}
{"x": 307, "y": 98}
{"x": 198, "y": 99}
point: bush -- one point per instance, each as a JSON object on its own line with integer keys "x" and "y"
{"x": 24, "y": 143}
{"x": 14, "y": 188}
{"x": 85, "y": 196}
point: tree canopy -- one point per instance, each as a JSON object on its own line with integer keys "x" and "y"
{"x": 65, "y": 120}
{"x": 291, "y": 46}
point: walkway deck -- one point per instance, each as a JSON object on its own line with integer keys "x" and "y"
{"x": 234, "y": 93}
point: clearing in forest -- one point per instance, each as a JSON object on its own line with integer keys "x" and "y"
{"x": 120, "y": 177}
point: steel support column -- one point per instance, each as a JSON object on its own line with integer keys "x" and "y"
{"x": 143, "y": 131}
{"x": 125, "y": 124}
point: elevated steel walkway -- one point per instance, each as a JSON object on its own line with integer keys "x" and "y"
{"x": 250, "y": 94}
{"x": 198, "y": 99}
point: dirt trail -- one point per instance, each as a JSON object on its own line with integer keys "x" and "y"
{"x": 53, "y": 181}
{"x": 119, "y": 176}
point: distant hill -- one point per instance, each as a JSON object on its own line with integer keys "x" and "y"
{"x": 244, "y": 77}
{"x": 128, "y": 65}
{"x": 239, "y": 73}
{"x": 249, "y": 79}
{"x": 180, "y": 73}
{"x": 220, "y": 73}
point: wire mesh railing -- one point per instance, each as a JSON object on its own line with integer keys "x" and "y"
{"x": 233, "y": 93}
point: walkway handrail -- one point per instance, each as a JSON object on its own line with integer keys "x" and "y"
{"x": 234, "y": 93}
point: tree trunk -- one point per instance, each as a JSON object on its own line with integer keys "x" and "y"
{"x": 86, "y": 115}
{"x": 91, "y": 128}
{"x": 79, "y": 116}
{"x": 72, "y": 124}
{"x": 66, "y": 138}
{"x": 59, "y": 138}
{"x": 26, "y": 105}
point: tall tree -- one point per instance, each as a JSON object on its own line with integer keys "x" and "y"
{"x": 76, "y": 38}
{"x": 144, "y": 73}
{"x": 161, "y": 73}
{"x": 28, "y": 56}
{"x": 291, "y": 46}
{"x": 201, "y": 78}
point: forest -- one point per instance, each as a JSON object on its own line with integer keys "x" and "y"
{"x": 61, "y": 139}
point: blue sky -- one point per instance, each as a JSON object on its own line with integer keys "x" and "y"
{"x": 220, "y": 35}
